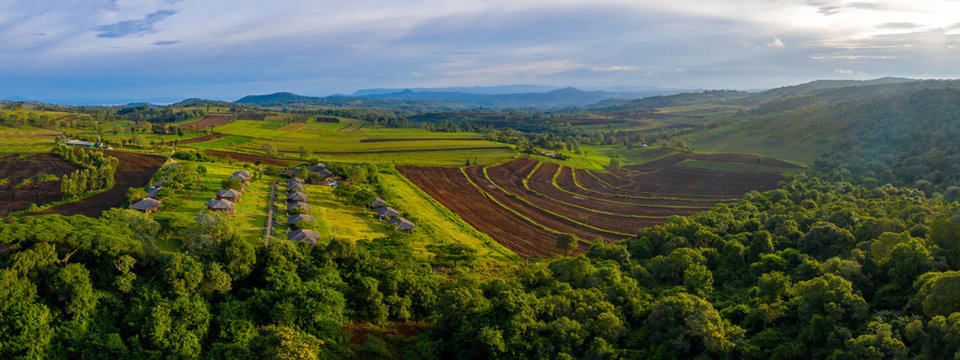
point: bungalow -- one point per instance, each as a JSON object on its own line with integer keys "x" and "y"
{"x": 294, "y": 180}
{"x": 289, "y": 172}
{"x": 229, "y": 195}
{"x": 220, "y": 205}
{"x": 377, "y": 203}
{"x": 298, "y": 206}
{"x": 309, "y": 236}
{"x": 155, "y": 193}
{"x": 147, "y": 205}
{"x": 159, "y": 184}
{"x": 402, "y": 224}
{"x": 243, "y": 179}
{"x": 295, "y": 186}
{"x": 243, "y": 175}
{"x": 294, "y": 219}
{"x": 387, "y": 212}
{"x": 317, "y": 167}
{"x": 296, "y": 196}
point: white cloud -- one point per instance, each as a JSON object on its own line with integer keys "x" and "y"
{"x": 776, "y": 43}
{"x": 613, "y": 68}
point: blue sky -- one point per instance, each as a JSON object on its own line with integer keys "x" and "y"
{"x": 117, "y": 51}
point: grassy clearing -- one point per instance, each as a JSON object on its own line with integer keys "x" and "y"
{"x": 333, "y": 138}
{"x": 26, "y": 140}
{"x": 437, "y": 225}
{"x": 729, "y": 166}
{"x": 250, "y": 212}
{"x": 334, "y": 218}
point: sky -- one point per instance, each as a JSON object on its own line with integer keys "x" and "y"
{"x": 120, "y": 51}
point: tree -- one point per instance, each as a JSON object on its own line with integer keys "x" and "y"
{"x": 285, "y": 343}
{"x": 614, "y": 164}
{"x": 698, "y": 280}
{"x": 567, "y": 243}
{"x": 270, "y": 149}
{"x": 689, "y": 325}
{"x": 453, "y": 254}
{"x": 937, "y": 293}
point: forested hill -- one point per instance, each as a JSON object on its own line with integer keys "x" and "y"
{"x": 286, "y": 99}
{"x": 550, "y": 99}
{"x": 900, "y": 139}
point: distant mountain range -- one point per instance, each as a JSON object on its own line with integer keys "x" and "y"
{"x": 459, "y": 98}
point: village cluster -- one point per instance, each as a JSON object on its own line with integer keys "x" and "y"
{"x": 298, "y": 220}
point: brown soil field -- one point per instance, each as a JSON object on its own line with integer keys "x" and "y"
{"x": 566, "y": 183}
{"x": 413, "y": 139}
{"x": 451, "y": 188}
{"x": 326, "y": 119}
{"x": 587, "y": 209}
{"x": 566, "y": 191}
{"x": 200, "y": 139}
{"x": 538, "y": 216}
{"x": 209, "y": 121}
{"x": 135, "y": 170}
{"x": 510, "y": 176}
{"x": 15, "y": 170}
{"x": 726, "y": 158}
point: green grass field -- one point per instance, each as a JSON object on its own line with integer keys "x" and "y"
{"x": 28, "y": 140}
{"x": 438, "y": 225}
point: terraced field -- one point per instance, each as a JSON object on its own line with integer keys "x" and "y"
{"x": 524, "y": 203}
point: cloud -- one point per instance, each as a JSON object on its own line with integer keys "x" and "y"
{"x": 899, "y": 25}
{"x": 844, "y": 72}
{"x": 416, "y": 74}
{"x": 776, "y": 43}
{"x": 134, "y": 27}
{"x": 852, "y": 57}
{"x": 613, "y": 68}
{"x": 166, "y": 42}
{"x": 829, "y": 10}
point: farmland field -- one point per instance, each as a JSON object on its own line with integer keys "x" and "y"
{"x": 135, "y": 170}
{"x": 15, "y": 170}
{"x": 524, "y": 203}
{"x": 208, "y": 121}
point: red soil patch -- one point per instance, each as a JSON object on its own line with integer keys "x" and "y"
{"x": 208, "y": 121}
{"x": 326, "y": 119}
{"x": 587, "y": 209}
{"x": 510, "y": 176}
{"x": 16, "y": 170}
{"x": 200, "y": 139}
{"x": 135, "y": 170}
{"x": 451, "y": 188}
{"x": 539, "y": 216}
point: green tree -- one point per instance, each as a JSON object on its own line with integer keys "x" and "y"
{"x": 567, "y": 243}
{"x": 698, "y": 280}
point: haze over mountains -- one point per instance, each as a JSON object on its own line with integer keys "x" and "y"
{"x": 516, "y": 96}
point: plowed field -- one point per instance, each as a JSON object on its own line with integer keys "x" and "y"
{"x": 524, "y": 204}
{"x": 16, "y": 170}
{"x": 209, "y": 121}
{"x": 135, "y": 170}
